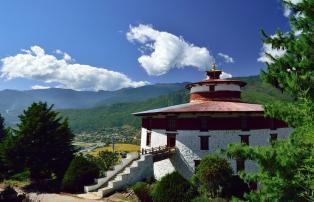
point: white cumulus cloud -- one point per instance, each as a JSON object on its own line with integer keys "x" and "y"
{"x": 227, "y": 58}
{"x": 35, "y": 64}
{"x": 267, "y": 48}
{"x": 162, "y": 51}
{"x": 225, "y": 75}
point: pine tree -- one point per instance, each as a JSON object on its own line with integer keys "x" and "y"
{"x": 286, "y": 168}
{"x": 45, "y": 141}
{"x": 2, "y": 128}
{"x": 294, "y": 71}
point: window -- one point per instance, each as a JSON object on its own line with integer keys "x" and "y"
{"x": 203, "y": 124}
{"x": 148, "y": 138}
{"x": 211, "y": 88}
{"x": 245, "y": 139}
{"x": 196, "y": 164}
{"x": 171, "y": 140}
{"x": 204, "y": 142}
{"x": 171, "y": 124}
{"x": 273, "y": 137}
{"x": 240, "y": 164}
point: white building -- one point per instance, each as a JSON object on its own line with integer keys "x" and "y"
{"x": 214, "y": 118}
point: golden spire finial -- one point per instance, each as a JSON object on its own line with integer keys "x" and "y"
{"x": 214, "y": 66}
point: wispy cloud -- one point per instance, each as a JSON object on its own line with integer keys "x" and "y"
{"x": 227, "y": 58}
{"x": 39, "y": 87}
{"x": 35, "y": 64}
{"x": 162, "y": 51}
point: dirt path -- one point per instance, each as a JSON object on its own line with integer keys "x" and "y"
{"x": 118, "y": 197}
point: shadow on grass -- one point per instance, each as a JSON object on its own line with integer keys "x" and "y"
{"x": 44, "y": 186}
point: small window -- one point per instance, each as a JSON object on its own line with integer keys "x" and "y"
{"x": 273, "y": 137}
{"x": 204, "y": 142}
{"x": 172, "y": 124}
{"x": 148, "y": 138}
{"x": 211, "y": 88}
{"x": 240, "y": 164}
{"x": 196, "y": 164}
{"x": 245, "y": 139}
{"x": 204, "y": 124}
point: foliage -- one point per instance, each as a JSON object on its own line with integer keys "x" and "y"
{"x": 105, "y": 160}
{"x": 286, "y": 168}
{"x": 173, "y": 188}
{"x": 212, "y": 175}
{"x": 294, "y": 71}
{"x": 44, "y": 141}
{"x": 10, "y": 155}
{"x": 10, "y": 195}
{"x": 204, "y": 198}
{"x": 2, "y": 128}
{"x": 80, "y": 172}
{"x": 142, "y": 191}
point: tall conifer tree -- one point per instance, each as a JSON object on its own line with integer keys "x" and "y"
{"x": 45, "y": 141}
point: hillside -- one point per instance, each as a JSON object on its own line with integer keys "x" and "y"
{"x": 119, "y": 114}
{"x": 13, "y": 102}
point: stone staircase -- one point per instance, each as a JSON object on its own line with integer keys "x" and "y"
{"x": 111, "y": 173}
{"x": 137, "y": 170}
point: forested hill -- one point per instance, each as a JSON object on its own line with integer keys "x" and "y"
{"x": 13, "y": 102}
{"x": 119, "y": 114}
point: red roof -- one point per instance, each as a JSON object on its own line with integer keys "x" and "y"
{"x": 216, "y": 81}
{"x": 206, "y": 106}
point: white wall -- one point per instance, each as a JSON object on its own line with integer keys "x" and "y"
{"x": 218, "y": 87}
{"x": 188, "y": 146}
{"x": 227, "y": 87}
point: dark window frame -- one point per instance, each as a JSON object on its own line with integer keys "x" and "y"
{"x": 171, "y": 137}
{"x": 212, "y": 88}
{"x": 148, "y": 138}
{"x": 204, "y": 142}
{"x": 273, "y": 137}
{"x": 245, "y": 139}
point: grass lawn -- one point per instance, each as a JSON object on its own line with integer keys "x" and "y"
{"x": 118, "y": 148}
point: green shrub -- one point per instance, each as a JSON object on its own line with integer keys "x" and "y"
{"x": 10, "y": 195}
{"x": 105, "y": 160}
{"x": 173, "y": 188}
{"x": 204, "y": 198}
{"x": 213, "y": 175}
{"x": 142, "y": 191}
{"x": 81, "y": 172}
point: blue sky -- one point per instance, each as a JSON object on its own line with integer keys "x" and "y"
{"x": 93, "y": 33}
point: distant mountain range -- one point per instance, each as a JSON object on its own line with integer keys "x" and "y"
{"x": 13, "y": 102}
{"x": 92, "y": 111}
{"x": 119, "y": 114}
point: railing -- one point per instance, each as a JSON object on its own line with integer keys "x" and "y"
{"x": 159, "y": 150}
